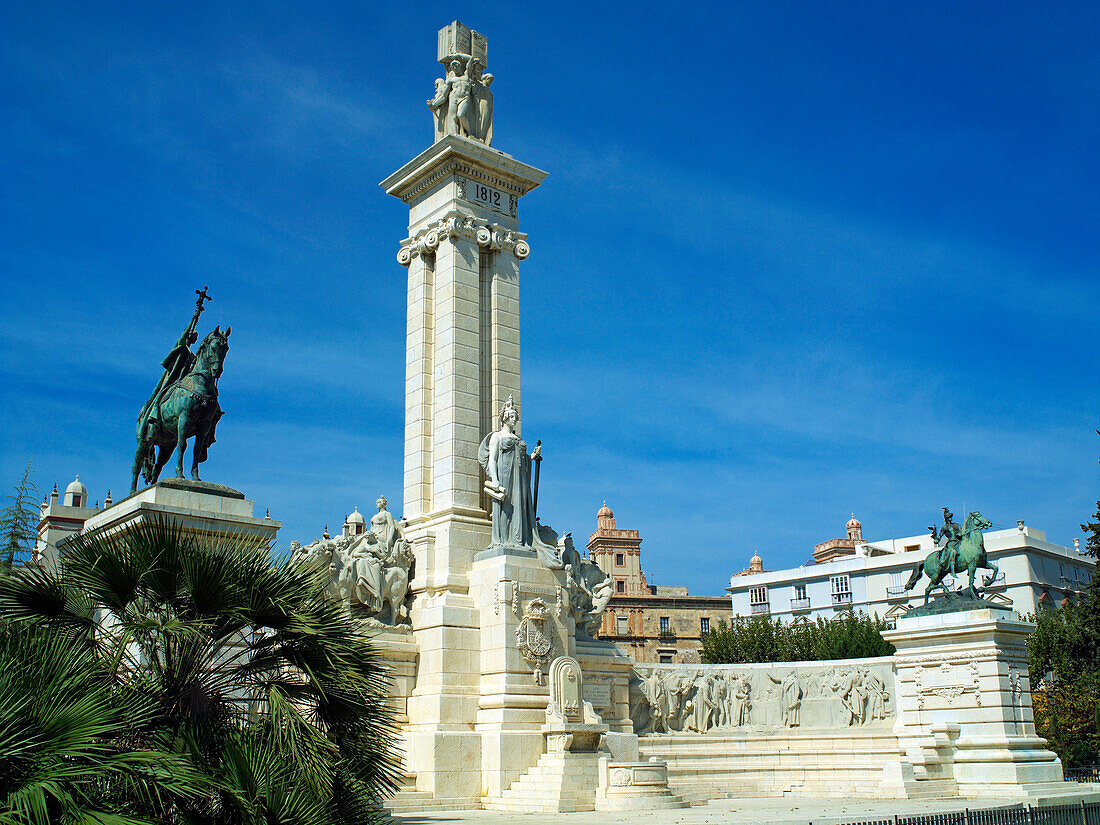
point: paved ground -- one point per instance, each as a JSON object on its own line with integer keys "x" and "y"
{"x": 793, "y": 811}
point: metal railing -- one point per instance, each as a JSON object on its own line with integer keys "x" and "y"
{"x": 760, "y": 609}
{"x": 841, "y": 599}
{"x": 1086, "y": 773}
{"x": 1078, "y": 813}
{"x": 897, "y": 591}
{"x": 800, "y": 604}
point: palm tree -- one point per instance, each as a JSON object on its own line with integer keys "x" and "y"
{"x": 267, "y": 687}
{"x": 67, "y": 738}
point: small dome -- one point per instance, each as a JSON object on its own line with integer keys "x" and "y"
{"x": 853, "y": 521}
{"x": 605, "y": 512}
{"x": 356, "y": 518}
{"x": 76, "y": 494}
{"x": 756, "y": 564}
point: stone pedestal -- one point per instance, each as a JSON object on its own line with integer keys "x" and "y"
{"x": 197, "y": 506}
{"x": 634, "y": 786}
{"x": 964, "y": 705}
{"x": 521, "y": 600}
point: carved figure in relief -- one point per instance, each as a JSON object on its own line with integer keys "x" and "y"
{"x": 720, "y": 692}
{"x": 848, "y": 687}
{"x": 875, "y": 691}
{"x": 741, "y": 701}
{"x": 656, "y": 693}
{"x": 790, "y": 694}
{"x": 703, "y": 704}
{"x": 679, "y": 696}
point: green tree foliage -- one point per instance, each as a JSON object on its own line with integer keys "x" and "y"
{"x": 18, "y": 522}
{"x": 764, "y": 639}
{"x": 1066, "y": 715}
{"x": 1064, "y": 668}
{"x": 219, "y": 656}
{"x": 68, "y": 733}
{"x": 1092, "y": 530}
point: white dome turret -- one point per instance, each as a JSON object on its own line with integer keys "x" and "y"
{"x": 355, "y": 525}
{"x": 76, "y": 494}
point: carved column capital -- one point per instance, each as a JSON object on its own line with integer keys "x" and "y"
{"x": 490, "y": 236}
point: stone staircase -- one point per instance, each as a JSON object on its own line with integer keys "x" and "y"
{"x": 558, "y": 783}
{"x": 824, "y": 763}
{"x": 409, "y": 800}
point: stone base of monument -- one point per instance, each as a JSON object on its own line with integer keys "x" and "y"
{"x": 634, "y": 786}
{"x": 964, "y": 707}
{"x": 197, "y": 506}
{"x": 584, "y": 765}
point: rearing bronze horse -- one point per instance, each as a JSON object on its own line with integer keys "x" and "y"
{"x": 186, "y": 408}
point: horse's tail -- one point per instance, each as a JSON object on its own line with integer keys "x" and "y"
{"x": 148, "y": 451}
{"x": 916, "y": 576}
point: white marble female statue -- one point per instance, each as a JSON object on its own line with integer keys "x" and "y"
{"x": 374, "y": 553}
{"x": 503, "y": 456}
{"x": 385, "y": 528}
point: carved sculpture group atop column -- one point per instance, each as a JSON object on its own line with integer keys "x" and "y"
{"x": 703, "y": 698}
{"x": 369, "y": 571}
{"x": 462, "y": 103}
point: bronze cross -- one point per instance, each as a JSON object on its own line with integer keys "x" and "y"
{"x": 202, "y": 297}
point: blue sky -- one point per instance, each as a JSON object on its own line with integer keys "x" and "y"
{"x": 792, "y": 261}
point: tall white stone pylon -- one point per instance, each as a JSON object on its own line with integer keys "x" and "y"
{"x": 462, "y": 362}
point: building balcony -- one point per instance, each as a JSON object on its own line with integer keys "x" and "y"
{"x": 997, "y": 582}
{"x": 894, "y": 593}
{"x": 760, "y": 609}
{"x": 799, "y": 605}
{"x": 842, "y": 600}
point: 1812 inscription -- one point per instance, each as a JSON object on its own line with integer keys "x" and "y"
{"x": 493, "y": 198}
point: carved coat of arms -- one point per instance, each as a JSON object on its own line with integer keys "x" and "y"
{"x": 533, "y": 640}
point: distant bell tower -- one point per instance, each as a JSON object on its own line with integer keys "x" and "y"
{"x": 619, "y": 554}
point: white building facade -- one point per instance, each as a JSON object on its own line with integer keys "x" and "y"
{"x": 1033, "y": 573}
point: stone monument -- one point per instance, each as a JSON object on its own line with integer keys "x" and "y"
{"x": 964, "y": 707}
{"x": 495, "y": 594}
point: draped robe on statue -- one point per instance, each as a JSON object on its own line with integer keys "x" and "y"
{"x": 513, "y": 518}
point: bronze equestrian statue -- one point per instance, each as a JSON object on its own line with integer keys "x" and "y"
{"x": 184, "y": 403}
{"x": 958, "y": 550}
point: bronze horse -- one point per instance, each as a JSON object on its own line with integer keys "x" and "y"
{"x": 184, "y": 409}
{"x": 970, "y": 557}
